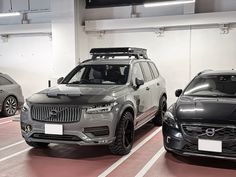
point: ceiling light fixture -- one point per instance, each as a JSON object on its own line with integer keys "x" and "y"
{"x": 11, "y": 14}
{"x": 168, "y": 3}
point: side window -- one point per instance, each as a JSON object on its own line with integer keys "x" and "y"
{"x": 147, "y": 71}
{"x": 4, "y": 81}
{"x": 154, "y": 70}
{"x": 137, "y": 72}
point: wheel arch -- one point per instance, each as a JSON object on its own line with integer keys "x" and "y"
{"x": 126, "y": 107}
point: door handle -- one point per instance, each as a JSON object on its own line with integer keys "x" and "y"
{"x": 147, "y": 88}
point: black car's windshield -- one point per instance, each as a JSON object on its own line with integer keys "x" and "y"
{"x": 213, "y": 86}
{"x": 99, "y": 74}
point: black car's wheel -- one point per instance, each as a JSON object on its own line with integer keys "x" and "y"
{"x": 124, "y": 136}
{"x": 37, "y": 144}
{"x": 161, "y": 112}
{"x": 10, "y": 106}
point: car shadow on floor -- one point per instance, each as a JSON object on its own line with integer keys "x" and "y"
{"x": 86, "y": 152}
{"x": 199, "y": 161}
{"x": 3, "y": 117}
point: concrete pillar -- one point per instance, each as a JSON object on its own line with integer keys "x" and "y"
{"x": 64, "y": 35}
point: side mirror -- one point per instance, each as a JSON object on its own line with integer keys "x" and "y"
{"x": 178, "y": 92}
{"x": 60, "y": 80}
{"x": 139, "y": 82}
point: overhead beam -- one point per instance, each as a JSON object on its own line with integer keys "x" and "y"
{"x": 161, "y": 22}
{"x": 25, "y": 29}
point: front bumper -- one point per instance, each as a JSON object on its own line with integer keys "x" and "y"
{"x": 80, "y": 132}
{"x": 176, "y": 142}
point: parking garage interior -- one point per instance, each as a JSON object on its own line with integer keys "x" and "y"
{"x": 41, "y": 41}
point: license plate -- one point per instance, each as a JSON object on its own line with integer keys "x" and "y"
{"x": 53, "y": 129}
{"x": 209, "y": 145}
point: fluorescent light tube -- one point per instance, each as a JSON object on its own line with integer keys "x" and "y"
{"x": 9, "y": 14}
{"x": 168, "y": 3}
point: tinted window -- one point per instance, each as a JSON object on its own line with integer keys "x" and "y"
{"x": 137, "y": 73}
{"x": 154, "y": 70}
{"x": 99, "y": 74}
{"x": 4, "y": 81}
{"x": 213, "y": 85}
{"x": 146, "y": 70}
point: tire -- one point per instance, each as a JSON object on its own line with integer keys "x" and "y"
{"x": 37, "y": 144}
{"x": 10, "y": 106}
{"x": 168, "y": 151}
{"x": 124, "y": 136}
{"x": 161, "y": 112}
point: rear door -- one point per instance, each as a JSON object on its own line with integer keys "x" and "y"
{"x": 149, "y": 83}
{"x": 156, "y": 91}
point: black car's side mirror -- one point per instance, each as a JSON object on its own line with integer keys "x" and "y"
{"x": 178, "y": 92}
{"x": 60, "y": 80}
{"x": 139, "y": 82}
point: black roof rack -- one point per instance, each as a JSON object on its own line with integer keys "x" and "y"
{"x": 139, "y": 53}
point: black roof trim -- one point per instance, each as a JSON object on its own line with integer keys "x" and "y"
{"x": 204, "y": 71}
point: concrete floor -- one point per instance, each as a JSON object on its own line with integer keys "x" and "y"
{"x": 148, "y": 158}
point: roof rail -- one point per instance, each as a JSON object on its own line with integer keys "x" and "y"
{"x": 139, "y": 53}
{"x": 207, "y": 70}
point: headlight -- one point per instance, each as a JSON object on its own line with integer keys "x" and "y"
{"x": 101, "y": 108}
{"x": 25, "y": 107}
{"x": 170, "y": 120}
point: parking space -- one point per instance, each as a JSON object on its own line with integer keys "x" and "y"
{"x": 148, "y": 158}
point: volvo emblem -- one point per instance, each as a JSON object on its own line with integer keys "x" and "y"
{"x": 210, "y": 132}
{"x": 53, "y": 114}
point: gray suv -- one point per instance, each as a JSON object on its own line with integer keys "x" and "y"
{"x": 11, "y": 97}
{"x": 101, "y": 102}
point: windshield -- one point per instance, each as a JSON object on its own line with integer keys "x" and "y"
{"x": 98, "y": 74}
{"x": 213, "y": 85}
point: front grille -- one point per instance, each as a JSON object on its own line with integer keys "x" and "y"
{"x": 226, "y": 149}
{"x": 56, "y": 137}
{"x": 222, "y": 133}
{"x": 55, "y": 113}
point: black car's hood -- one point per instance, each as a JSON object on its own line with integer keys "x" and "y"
{"x": 208, "y": 110}
{"x": 79, "y": 95}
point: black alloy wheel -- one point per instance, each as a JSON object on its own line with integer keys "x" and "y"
{"x": 124, "y": 135}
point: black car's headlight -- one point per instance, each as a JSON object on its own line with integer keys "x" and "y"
{"x": 170, "y": 120}
{"x": 101, "y": 108}
{"x": 25, "y": 107}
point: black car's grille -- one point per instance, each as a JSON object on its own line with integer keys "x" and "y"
{"x": 214, "y": 132}
{"x": 56, "y": 137}
{"x": 55, "y": 113}
{"x": 226, "y": 149}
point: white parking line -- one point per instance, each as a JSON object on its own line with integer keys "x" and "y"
{"x": 124, "y": 158}
{"x": 150, "y": 163}
{"x": 5, "y": 118}
{"x": 6, "y": 122}
{"x": 11, "y": 145}
{"x": 13, "y": 155}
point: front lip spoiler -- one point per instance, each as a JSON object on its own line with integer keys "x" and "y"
{"x": 208, "y": 155}
{"x": 200, "y": 155}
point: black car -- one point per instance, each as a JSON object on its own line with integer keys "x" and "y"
{"x": 203, "y": 120}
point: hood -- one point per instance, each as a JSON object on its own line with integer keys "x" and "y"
{"x": 206, "y": 110}
{"x": 77, "y": 95}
